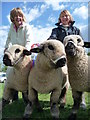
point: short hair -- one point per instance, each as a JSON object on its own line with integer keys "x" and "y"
{"x": 65, "y": 12}
{"x": 16, "y": 11}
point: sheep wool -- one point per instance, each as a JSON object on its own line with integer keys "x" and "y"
{"x": 78, "y": 63}
{"x": 49, "y": 75}
{"x": 17, "y": 72}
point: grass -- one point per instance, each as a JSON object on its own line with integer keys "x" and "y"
{"x": 15, "y": 110}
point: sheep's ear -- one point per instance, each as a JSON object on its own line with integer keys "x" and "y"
{"x": 87, "y": 44}
{"x": 26, "y": 52}
{"x": 37, "y": 49}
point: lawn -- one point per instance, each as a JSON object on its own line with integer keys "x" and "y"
{"x": 15, "y": 110}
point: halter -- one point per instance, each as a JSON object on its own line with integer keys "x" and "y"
{"x": 17, "y": 61}
{"x": 71, "y": 42}
{"x": 54, "y": 61}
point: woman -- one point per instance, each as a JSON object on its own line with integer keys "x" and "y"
{"x": 65, "y": 26}
{"x": 19, "y": 33}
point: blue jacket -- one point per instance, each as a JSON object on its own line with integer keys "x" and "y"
{"x": 60, "y": 32}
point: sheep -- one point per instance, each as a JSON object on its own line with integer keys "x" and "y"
{"x": 49, "y": 75}
{"x": 17, "y": 72}
{"x": 78, "y": 70}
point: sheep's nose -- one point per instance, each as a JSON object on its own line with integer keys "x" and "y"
{"x": 5, "y": 57}
{"x": 6, "y": 60}
{"x": 69, "y": 46}
{"x": 61, "y": 62}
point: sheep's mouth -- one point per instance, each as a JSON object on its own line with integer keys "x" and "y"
{"x": 70, "y": 52}
{"x": 60, "y": 62}
{"x": 7, "y": 61}
{"x": 70, "y": 49}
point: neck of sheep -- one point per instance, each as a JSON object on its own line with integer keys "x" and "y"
{"x": 22, "y": 64}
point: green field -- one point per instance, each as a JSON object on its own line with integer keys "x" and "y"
{"x": 15, "y": 110}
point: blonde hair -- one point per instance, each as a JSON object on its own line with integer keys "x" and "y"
{"x": 16, "y": 11}
{"x": 65, "y": 12}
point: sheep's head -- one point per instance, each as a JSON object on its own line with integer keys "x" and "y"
{"x": 13, "y": 55}
{"x": 51, "y": 53}
{"x": 73, "y": 44}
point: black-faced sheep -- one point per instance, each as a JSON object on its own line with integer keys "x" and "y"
{"x": 49, "y": 75}
{"x": 17, "y": 72}
{"x": 78, "y": 69}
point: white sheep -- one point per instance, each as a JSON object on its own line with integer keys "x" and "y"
{"x": 49, "y": 75}
{"x": 17, "y": 72}
{"x": 78, "y": 69}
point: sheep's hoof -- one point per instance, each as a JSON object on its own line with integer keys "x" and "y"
{"x": 55, "y": 112}
{"x": 83, "y": 106}
{"x": 39, "y": 109}
{"x": 62, "y": 105}
{"x": 54, "y": 118}
{"x": 72, "y": 117}
{"x": 26, "y": 117}
{"x": 4, "y": 102}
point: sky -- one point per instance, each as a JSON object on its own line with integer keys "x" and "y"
{"x": 42, "y": 16}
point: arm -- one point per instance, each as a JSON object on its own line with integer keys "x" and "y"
{"x": 28, "y": 37}
{"x": 8, "y": 41}
{"x": 53, "y": 34}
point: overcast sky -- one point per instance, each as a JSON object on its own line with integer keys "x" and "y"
{"x": 42, "y": 17}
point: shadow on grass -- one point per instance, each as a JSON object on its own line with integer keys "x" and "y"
{"x": 15, "y": 111}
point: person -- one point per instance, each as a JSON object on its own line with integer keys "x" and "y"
{"x": 65, "y": 26}
{"x": 19, "y": 33}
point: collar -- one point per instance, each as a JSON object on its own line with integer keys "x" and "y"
{"x": 20, "y": 26}
{"x": 58, "y": 24}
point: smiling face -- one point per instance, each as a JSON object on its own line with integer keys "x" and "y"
{"x": 65, "y": 17}
{"x": 17, "y": 17}
{"x": 18, "y": 20}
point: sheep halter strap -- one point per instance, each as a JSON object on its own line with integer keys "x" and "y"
{"x": 16, "y": 62}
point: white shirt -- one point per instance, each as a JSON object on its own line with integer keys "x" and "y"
{"x": 23, "y": 36}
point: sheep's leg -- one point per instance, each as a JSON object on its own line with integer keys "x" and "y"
{"x": 7, "y": 95}
{"x": 25, "y": 96}
{"x": 54, "y": 98}
{"x": 28, "y": 110}
{"x": 83, "y": 104}
{"x": 33, "y": 98}
{"x": 63, "y": 96}
{"x": 4, "y": 102}
{"x": 77, "y": 96}
{"x": 37, "y": 103}
{"x": 15, "y": 95}
{"x": 65, "y": 87}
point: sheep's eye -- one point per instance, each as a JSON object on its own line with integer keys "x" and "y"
{"x": 79, "y": 40}
{"x": 51, "y": 47}
{"x": 17, "y": 50}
